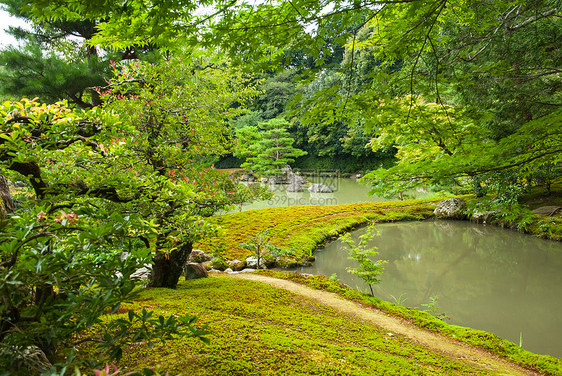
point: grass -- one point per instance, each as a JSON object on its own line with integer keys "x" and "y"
{"x": 261, "y": 330}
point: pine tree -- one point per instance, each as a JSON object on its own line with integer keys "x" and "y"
{"x": 274, "y": 149}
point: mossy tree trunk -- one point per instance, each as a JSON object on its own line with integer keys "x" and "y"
{"x": 6, "y": 203}
{"x": 167, "y": 267}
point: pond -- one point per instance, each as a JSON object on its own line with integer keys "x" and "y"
{"x": 484, "y": 277}
{"x": 346, "y": 191}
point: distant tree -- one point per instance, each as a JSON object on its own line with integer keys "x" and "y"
{"x": 273, "y": 150}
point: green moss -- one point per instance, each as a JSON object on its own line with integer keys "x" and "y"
{"x": 543, "y": 363}
{"x": 303, "y": 229}
{"x": 261, "y": 330}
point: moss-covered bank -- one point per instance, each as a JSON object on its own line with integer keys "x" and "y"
{"x": 302, "y": 229}
{"x": 262, "y": 330}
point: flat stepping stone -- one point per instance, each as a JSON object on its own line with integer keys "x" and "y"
{"x": 549, "y": 210}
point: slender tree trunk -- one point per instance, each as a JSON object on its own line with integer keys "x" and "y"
{"x": 168, "y": 267}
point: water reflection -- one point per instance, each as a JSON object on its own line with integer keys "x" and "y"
{"x": 346, "y": 191}
{"x": 485, "y": 277}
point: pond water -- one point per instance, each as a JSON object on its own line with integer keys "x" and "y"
{"x": 485, "y": 277}
{"x": 346, "y": 191}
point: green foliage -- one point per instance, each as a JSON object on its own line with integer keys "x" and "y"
{"x": 32, "y": 71}
{"x": 269, "y": 148}
{"x": 432, "y": 308}
{"x": 175, "y": 116}
{"x": 106, "y": 195}
{"x": 368, "y": 270}
{"x": 53, "y": 60}
{"x": 260, "y": 247}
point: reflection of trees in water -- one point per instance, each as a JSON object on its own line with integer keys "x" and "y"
{"x": 453, "y": 257}
{"x": 485, "y": 277}
{"x": 458, "y": 258}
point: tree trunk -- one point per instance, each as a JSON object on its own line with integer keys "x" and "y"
{"x": 6, "y": 202}
{"x": 478, "y": 189}
{"x": 168, "y": 267}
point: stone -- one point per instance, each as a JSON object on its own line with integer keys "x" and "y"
{"x": 483, "y": 217}
{"x": 293, "y": 178}
{"x": 32, "y": 361}
{"x": 199, "y": 256}
{"x": 252, "y": 262}
{"x": 320, "y": 188}
{"x": 193, "y": 270}
{"x": 548, "y": 210}
{"x": 247, "y": 270}
{"x": 453, "y": 208}
{"x": 295, "y": 187}
{"x": 235, "y": 264}
{"x": 143, "y": 273}
{"x": 273, "y": 180}
{"x": 228, "y": 270}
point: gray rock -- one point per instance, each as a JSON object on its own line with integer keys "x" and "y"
{"x": 252, "y": 262}
{"x": 295, "y": 187}
{"x": 483, "y": 217}
{"x": 247, "y": 270}
{"x": 228, "y": 270}
{"x": 295, "y": 179}
{"x": 320, "y": 188}
{"x": 193, "y": 270}
{"x": 235, "y": 264}
{"x": 32, "y": 361}
{"x": 143, "y": 273}
{"x": 275, "y": 180}
{"x": 199, "y": 256}
{"x": 453, "y": 208}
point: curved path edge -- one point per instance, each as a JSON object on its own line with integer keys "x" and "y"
{"x": 448, "y": 347}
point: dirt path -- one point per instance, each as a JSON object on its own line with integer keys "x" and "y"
{"x": 446, "y": 346}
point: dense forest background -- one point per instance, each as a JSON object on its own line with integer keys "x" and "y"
{"x": 116, "y": 114}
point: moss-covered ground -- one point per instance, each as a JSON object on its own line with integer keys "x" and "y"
{"x": 301, "y": 229}
{"x": 543, "y": 363}
{"x": 262, "y": 330}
